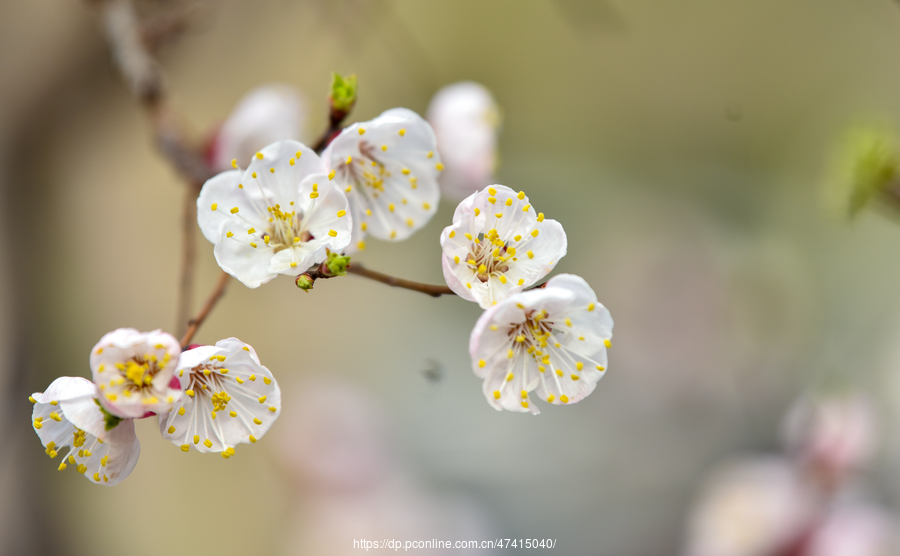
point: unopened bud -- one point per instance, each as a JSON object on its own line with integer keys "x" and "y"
{"x": 343, "y": 93}
{"x": 305, "y": 282}
{"x": 870, "y": 165}
{"x": 337, "y": 264}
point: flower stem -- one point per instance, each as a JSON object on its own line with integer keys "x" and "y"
{"x": 427, "y": 289}
{"x": 194, "y": 324}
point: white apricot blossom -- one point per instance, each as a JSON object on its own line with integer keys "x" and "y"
{"x": 551, "y": 340}
{"x": 263, "y": 116}
{"x": 230, "y": 398}
{"x": 388, "y": 168}
{"x": 67, "y": 416}
{"x": 466, "y": 120}
{"x": 280, "y": 216}
{"x": 498, "y": 245}
{"x": 132, "y": 371}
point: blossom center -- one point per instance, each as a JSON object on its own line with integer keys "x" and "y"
{"x": 220, "y": 400}
{"x": 532, "y": 335}
{"x": 138, "y": 372}
{"x": 489, "y": 256}
{"x": 367, "y": 170}
{"x": 285, "y": 229}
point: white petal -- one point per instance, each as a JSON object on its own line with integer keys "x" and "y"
{"x": 114, "y": 355}
{"x": 399, "y": 193}
{"x": 250, "y": 265}
{"x": 264, "y": 115}
{"x": 465, "y": 120}
{"x": 253, "y": 399}
{"x": 498, "y": 229}
{"x": 289, "y": 170}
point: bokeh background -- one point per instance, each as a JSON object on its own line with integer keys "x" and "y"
{"x": 684, "y": 146}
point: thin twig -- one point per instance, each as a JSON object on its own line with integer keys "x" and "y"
{"x": 188, "y": 259}
{"x": 195, "y": 323}
{"x": 427, "y": 289}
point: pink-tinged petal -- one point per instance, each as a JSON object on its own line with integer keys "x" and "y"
{"x": 133, "y": 370}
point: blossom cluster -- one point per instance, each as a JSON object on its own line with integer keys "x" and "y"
{"x": 291, "y": 209}
{"x": 209, "y": 398}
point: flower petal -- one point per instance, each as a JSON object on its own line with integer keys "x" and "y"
{"x": 230, "y": 399}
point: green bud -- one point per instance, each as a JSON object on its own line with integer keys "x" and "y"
{"x": 305, "y": 282}
{"x": 337, "y": 264}
{"x": 870, "y": 163}
{"x": 343, "y": 92}
{"x": 110, "y": 420}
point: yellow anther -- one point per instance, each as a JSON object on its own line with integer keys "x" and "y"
{"x": 332, "y": 233}
{"x": 383, "y": 148}
{"x": 213, "y": 414}
{"x": 511, "y": 251}
{"x": 207, "y": 443}
{"x": 31, "y": 399}
{"x": 509, "y": 202}
{"x": 349, "y": 159}
{"x": 469, "y": 236}
{"x": 391, "y": 207}
{"x": 229, "y": 234}
{"x": 430, "y": 154}
{"x": 502, "y": 279}
{"x": 234, "y": 163}
{"x": 509, "y": 377}
{"x": 607, "y": 343}
{"x": 240, "y": 186}
{"x": 220, "y": 400}
{"x": 251, "y": 231}
{"x": 579, "y": 365}
{"x": 574, "y": 377}
{"x": 181, "y": 410}
{"x": 239, "y": 380}
{"x": 492, "y": 191}
{"x": 271, "y": 170}
{"x": 521, "y": 281}
{"x": 267, "y": 380}
{"x": 257, "y": 421}
{"x": 55, "y": 416}
{"x": 482, "y": 269}
{"x": 456, "y": 259}
{"x": 517, "y": 238}
{"x": 196, "y": 439}
{"x": 81, "y": 468}
{"x": 185, "y": 447}
{"x": 214, "y": 206}
{"x": 361, "y": 131}
{"x": 273, "y": 409}
{"x": 232, "y": 413}
{"x": 496, "y": 394}
{"x": 498, "y": 214}
{"x": 363, "y": 226}
{"x": 393, "y": 234}
{"x": 496, "y": 252}
{"x": 520, "y": 339}
{"x": 469, "y": 285}
{"x": 313, "y": 195}
{"x": 541, "y": 368}
{"x": 525, "y": 405}
{"x": 299, "y": 154}
{"x": 559, "y": 372}
{"x": 189, "y": 393}
{"x": 253, "y": 245}
{"x": 235, "y": 210}
{"x": 525, "y": 208}
{"x": 439, "y": 167}
{"x": 223, "y": 371}
{"x": 341, "y": 213}
{"x": 259, "y": 156}
{"x": 62, "y": 466}
{"x": 524, "y": 394}
{"x": 568, "y": 321}
{"x": 111, "y": 397}
{"x": 252, "y": 439}
{"x": 172, "y": 428}
{"x": 534, "y": 232}
{"x": 266, "y": 239}
{"x": 262, "y": 399}
{"x": 291, "y": 161}
{"x": 564, "y": 398}
{"x": 494, "y": 327}
{"x": 492, "y": 200}
{"x": 540, "y": 217}
{"x": 601, "y": 369}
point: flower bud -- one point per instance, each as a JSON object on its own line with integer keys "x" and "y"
{"x": 337, "y": 264}
{"x": 343, "y": 93}
{"x": 305, "y": 282}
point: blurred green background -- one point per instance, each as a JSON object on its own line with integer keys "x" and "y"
{"x": 684, "y": 146}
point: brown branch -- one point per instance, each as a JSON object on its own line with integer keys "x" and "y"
{"x": 427, "y": 289}
{"x": 195, "y": 323}
{"x": 188, "y": 258}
